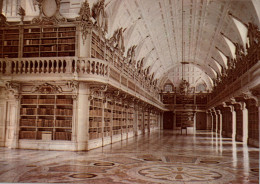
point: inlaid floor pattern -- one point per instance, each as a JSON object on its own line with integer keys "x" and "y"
{"x": 158, "y": 157}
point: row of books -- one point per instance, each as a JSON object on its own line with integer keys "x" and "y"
{"x": 52, "y": 48}
{"x": 94, "y": 124}
{"x": 27, "y": 134}
{"x": 45, "y": 111}
{"x": 47, "y": 101}
{"x": 10, "y": 49}
{"x": 11, "y": 36}
{"x": 28, "y": 111}
{"x": 107, "y": 124}
{"x": 115, "y": 132}
{"x": 95, "y": 135}
{"x": 66, "y": 34}
{"x": 63, "y": 136}
{"x": 107, "y": 114}
{"x": 27, "y": 122}
{"x": 10, "y": 55}
{"x": 45, "y": 123}
{"x": 29, "y": 101}
{"x": 31, "y": 49}
{"x": 11, "y": 42}
{"x": 63, "y": 123}
{"x": 67, "y": 40}
{"x": 34, "y": 35}
{"x": 32, "y": 30}
{"x": 49, "y": 34}
{"x": 107, "y": 133}
{"x": 66, "y": 47}
{"x": 64, "y": 101}
{"x": 49, "y": 29}
{"x": 31, "y": 42}
{"x": 94, "y": 112}
{"x": 67, "y": 112}
{"x": 117, "y": 123}
{"x": 96, "y": 103}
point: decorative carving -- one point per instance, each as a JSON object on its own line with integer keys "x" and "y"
{"x": 251, "y": 95}
{"x": 49, "y": 13}
{"x": 184, "y": 87}
{"x": 98, "y": 89}
{"x": 21, "y": 12}
{"x": 47, "y": 88}
{"x": 73, "y": 85}
{"x": 117, "y": 40}
{"x": 99, "y": 14}
{"x": 131, "y": 55}
{"x": 3, "y": 20}
{"x": 13, "y": 88}
{"x": 84, "y": 18}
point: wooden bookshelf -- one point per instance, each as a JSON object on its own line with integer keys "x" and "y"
{"x": 140, "y": 115}
{"x": 107, "y": 119}
{"x": 95, "y": 119}
{"x": 117, "y": 119}
{"x": 49, "y": 42}
{"x": 130, "y": 116}
{"x": 46, "y": 117}
{"x": 124, "y": 119}
{"x": 153, "y": 120}
{"x": 97, "y": 47}
{"x": 146, "y": 120}
{"x": 9, "y": 43}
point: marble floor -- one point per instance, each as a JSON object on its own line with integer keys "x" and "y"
{"x": 158, "y": 157}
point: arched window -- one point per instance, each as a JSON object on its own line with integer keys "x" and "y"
{"x": 200, "y": 87}
{"x": 168, "y": 88}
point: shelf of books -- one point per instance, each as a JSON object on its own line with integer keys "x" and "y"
{"x": 95, "y": 119}
{"x": 146, "y": 120}
{"x": 49, "y": 42}
{"x": 109, "y": 54}
{"x": 130, "y": 122}
{"x": 124, "y": 121}
{"x": 140, "y": 121}
{"x": 153, "y": 120}
{"x": 9, "y": 43}
{"x": 117, "y": 119}
{"x": 97, "y": 47}
{"x": 107, "y": 119}
{"x": 46, "y": 117}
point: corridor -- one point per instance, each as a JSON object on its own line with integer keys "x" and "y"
{"x": 158, "y": 157}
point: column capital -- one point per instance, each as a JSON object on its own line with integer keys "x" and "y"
{"x": 238, "y": 104}
{"x": 230, "y": 106}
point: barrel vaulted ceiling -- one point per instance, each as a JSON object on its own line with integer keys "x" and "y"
{"x": 204, "y": 37}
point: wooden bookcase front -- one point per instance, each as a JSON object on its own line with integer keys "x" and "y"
{"x": 46, "y": 117}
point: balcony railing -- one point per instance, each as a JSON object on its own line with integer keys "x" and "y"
{"x": 82, "y": 68}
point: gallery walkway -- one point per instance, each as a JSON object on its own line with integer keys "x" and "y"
{"x": 161, "y": 157}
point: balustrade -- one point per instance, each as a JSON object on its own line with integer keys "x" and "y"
{"x": 74, "y": 65}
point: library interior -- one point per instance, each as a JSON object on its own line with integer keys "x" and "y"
{"x": 129, "y": 91}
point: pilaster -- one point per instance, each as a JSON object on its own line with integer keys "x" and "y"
{"x": 83, "y": 116}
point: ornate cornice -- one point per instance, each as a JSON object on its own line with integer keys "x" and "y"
{"x": 47, "y": 88}
{"x": 46, "y": 18}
